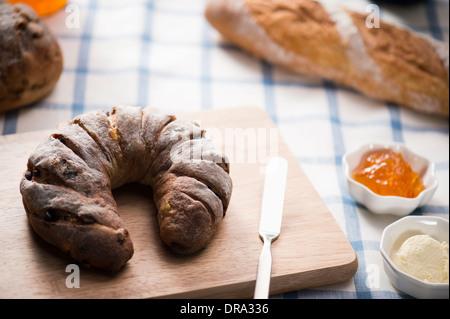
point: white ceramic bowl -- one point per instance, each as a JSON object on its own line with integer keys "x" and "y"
{"x": 395, "y": 205}
{"x": 391, "y": 240}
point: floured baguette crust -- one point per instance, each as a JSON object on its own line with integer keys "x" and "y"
{"x": 328, "y": 41}
{"x": 31, "y": 60}
{"x": 66, "y": 189}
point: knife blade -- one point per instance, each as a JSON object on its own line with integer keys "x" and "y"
{"x": 270, "y": 222}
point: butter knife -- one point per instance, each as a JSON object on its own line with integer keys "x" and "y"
{"x": 270, "y": 223}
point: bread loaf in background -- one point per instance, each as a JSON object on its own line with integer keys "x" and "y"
{"x": 331, "y": 42}
{"x": 31, "y": 60}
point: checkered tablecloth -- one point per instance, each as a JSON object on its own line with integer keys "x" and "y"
{"x": 163, "y": 53}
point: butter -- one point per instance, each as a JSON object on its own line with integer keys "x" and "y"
{"x": 424, "y": 258}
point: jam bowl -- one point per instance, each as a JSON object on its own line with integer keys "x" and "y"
{"x": 382, "y": 204}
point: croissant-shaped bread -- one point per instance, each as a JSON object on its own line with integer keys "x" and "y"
{"x": 66, "y": 188}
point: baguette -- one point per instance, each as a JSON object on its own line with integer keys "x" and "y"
{"x": 328, "y": 41}
{"x": 66, "y": 189}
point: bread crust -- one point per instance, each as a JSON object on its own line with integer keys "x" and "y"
{"x": 66, "y": 189}
{"x": 330, "y": 42}
{"x": 31, "y": 60}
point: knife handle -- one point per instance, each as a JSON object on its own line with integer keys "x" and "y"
{"x": 264, "y": 271}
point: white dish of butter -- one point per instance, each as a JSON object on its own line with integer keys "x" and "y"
{"x": 424, "y": 258}
{"x": 415, "y": 256}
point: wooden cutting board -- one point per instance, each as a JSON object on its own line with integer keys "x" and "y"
{"x": 311, "y": 250}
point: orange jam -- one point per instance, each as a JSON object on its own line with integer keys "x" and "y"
{"x": 387, "y": 174}
{"x": 43, "y": 7}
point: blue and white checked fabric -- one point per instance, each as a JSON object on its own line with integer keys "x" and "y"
{"x": 163, "y": 53}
